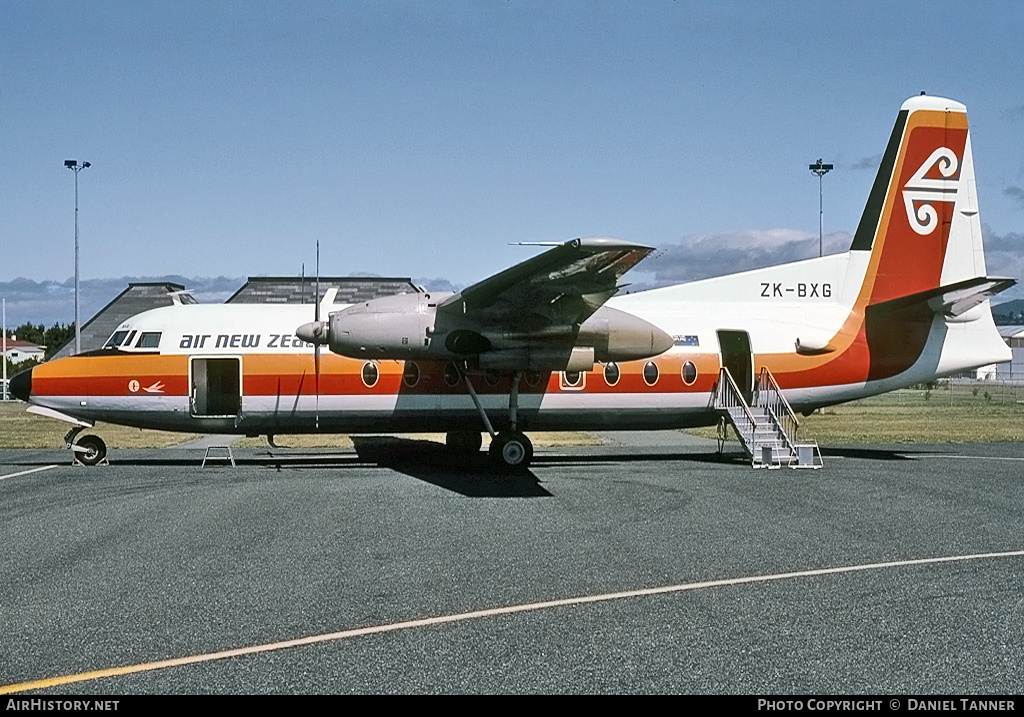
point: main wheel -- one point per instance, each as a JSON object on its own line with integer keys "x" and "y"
{"x": 511, "y": 450}
{"x": 90, "y": 450}
{"x": 463, "y": 443}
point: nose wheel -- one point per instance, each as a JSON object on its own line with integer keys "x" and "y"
{"x": 89, "y": 450}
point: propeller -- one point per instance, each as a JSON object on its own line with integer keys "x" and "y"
{"x": 316, "y": 345}
{"x": 317, "y": 332}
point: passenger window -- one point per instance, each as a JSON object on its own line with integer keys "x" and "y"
{"x": 411, "y": 374}
{"x": 689, "y": 373}
{"x": 451, "y": 374}
{"x": 611, "y": 373}
{"x": 650, "y": 373}
{"x": 370, "y": 374}
{"x": 572, "y": 379}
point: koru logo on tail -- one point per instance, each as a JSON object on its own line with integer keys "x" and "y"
{"x": 925, "y": 191}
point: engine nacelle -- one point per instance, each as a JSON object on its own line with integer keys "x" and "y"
{"x": 391, "y": 327}
{"x": 407, "y": 326}
{"x": 618, "y": 336}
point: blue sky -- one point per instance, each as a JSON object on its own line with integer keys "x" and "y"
{"x": 420, "y": 138}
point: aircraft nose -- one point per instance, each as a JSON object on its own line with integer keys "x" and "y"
{"x": 21, "y": 385}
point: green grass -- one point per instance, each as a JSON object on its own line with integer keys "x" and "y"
{"x": 968, "y": 412}
{"x": 860, "y": 423}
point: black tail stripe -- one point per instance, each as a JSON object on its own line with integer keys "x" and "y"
{"x": 864, "y": 239}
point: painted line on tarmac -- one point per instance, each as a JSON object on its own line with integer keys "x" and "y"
{"x": 479, "y": 614}
{"x": 25, "y": 473}
{"x": 973, "y": 458}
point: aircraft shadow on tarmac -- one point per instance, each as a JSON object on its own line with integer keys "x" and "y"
{"x": 725, "y": 459}
{"x": 874, "y": 454}
{"x": 433, "y": 463}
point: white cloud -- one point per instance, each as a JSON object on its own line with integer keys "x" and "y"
{"x": 1004, "y": 256}
{"x": 699, "y": 256}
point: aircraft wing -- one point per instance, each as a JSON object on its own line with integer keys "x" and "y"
{"x": 561, "y": 287}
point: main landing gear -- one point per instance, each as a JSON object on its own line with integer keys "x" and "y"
{"x": 509, "y": 449}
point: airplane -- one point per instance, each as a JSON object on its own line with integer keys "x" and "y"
{"x": 552, "y": 344}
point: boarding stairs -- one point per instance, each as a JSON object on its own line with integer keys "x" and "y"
{"x": 766, "y": 427}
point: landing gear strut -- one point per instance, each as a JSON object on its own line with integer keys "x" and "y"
{"x": 509, "y": 449}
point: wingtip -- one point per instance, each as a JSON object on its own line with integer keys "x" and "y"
{"x": 605, "y": 243}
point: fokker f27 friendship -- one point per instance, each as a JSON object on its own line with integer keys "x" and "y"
{"x": 549, "y": 345}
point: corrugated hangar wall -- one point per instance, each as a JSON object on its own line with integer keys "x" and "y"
{"x": 143, "y": 296}
{"x": 138, "y": 297}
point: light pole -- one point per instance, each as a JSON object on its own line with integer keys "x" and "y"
{"x": 75, "y": 167}
{"x": 821, "y": 170}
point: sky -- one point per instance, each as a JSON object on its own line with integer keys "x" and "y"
{"x": 422, "y": 138}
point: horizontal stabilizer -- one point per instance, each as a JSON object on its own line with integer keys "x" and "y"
{"x": 951, "y": 300}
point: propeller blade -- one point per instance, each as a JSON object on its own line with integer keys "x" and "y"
{"x": 316, "y": 346}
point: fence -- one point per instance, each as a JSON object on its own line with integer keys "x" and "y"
{"x": 952, "y": 392}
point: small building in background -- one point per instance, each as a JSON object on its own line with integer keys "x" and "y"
{"x": 1014, "y": 370}
{"x": 18, "y": 351}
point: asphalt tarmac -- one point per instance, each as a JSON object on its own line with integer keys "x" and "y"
{"x": 780, "y": 582}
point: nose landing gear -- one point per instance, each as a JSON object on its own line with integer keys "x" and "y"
{"x": 88, "y": 450}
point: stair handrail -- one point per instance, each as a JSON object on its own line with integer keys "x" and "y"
{"x": 770, "y": 396}
{"x": 727, "y": 395}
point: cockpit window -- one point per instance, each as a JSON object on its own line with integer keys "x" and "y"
{"x": 148, "y": 340}
{"x": 116, "y": 340}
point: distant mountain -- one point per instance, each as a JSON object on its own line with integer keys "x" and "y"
{"x": 53, "y": 302}
{"x": 1010, "y": 312}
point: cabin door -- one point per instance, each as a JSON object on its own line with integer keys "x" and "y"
{"x": 216, "y": 387}
{"x": 737, "y": 358}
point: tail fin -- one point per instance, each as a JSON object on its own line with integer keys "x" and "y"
{"x": 921, "y": 222}
{"x": 922, "y": 228}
